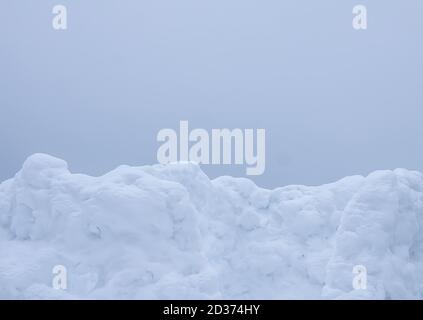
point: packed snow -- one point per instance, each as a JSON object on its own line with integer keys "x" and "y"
{"x": 169, "y": 232}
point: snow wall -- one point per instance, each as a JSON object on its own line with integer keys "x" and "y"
{"x": 169, "y": 232}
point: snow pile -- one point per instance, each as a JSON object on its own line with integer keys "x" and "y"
{"x": 169, "y": 232}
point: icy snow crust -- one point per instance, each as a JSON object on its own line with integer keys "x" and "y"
{"x": 170, "y": 232}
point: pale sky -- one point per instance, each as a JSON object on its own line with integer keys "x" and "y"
{"x": 334, "y": 101}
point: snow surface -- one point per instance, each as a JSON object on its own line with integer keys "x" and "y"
{"x": 165, "y": 232}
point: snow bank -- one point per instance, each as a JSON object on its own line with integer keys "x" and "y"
{"x": 169, "y": 232}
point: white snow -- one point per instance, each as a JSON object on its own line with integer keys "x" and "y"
{"x": 162, "y": 232}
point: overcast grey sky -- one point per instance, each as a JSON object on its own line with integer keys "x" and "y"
{"x": 334, "y": 101}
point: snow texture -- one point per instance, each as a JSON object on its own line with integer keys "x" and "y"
{"x": 169, "y": 232}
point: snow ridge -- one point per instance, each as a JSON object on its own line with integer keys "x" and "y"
{"x": 163, "y": 232}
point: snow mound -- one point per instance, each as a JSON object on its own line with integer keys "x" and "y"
{"x": 169, "y": 232}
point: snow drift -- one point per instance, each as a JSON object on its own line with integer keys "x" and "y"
{"x": 171, "y": 232}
